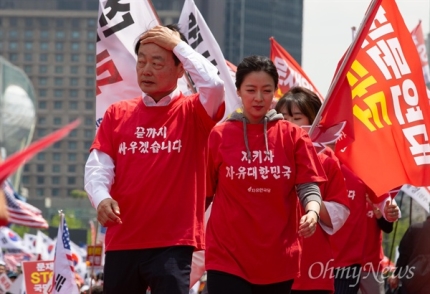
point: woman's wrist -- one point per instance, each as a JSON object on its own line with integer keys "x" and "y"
{"x": 316, "y": 213}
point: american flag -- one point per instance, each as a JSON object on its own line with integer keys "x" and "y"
{"x": 63, "y": 279}
{"x": 22, "y": 213}
{"x": 13, "y": 260}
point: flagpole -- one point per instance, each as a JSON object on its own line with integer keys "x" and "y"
{"x": 401, "y": 193}
{"x": 153, "y": 10}
{"x": 353, "y": 30}
{"x": 410, "y": 211}
{"x": 342, "y": 66}
{"x": 94, "y": 253}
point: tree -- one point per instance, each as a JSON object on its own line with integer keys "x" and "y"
{"x": 78, "y": 194}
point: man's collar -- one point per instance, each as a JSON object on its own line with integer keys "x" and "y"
{"x": 150, "y": 102}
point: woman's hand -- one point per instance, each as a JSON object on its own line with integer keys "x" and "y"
{"x": 308, "y": 224}
{"x": 391, "y": 211}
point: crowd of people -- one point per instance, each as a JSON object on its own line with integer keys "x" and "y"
{"x": 285, "y": 218}
{"x": 94, "y": 281}
{"x": 11, "y": 274}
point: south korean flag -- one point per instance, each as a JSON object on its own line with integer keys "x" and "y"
{"x": 63, "y": 279}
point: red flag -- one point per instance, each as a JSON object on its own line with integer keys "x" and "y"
{"x": 13, "y": 162}
{"x": 290, "y": 72}
{"x": 379, "y": 92}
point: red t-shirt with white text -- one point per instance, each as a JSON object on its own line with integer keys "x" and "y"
{"x": 159, "y": 155}
{"x": 348, "y": 243}
{"x": 252, "y": 230}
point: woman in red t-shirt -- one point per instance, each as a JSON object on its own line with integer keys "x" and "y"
{"x": 300, "y": 106}
{"x": 258, "y": 164}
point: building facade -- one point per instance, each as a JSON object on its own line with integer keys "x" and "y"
{"x": 249, "y": 24}
{"x": 56, "y": 49}
{"x": 54, "y": 43}
{"x": 243, "y": 27}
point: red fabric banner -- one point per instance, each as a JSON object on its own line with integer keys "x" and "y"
{"x": 290, "y": 72}
{"x": 379, "y": 92}
{"x": 11, "y": 164}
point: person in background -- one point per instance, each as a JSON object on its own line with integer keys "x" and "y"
{"x": 300, "y": 106}
{"x": 2, "y": 266}
{"x": 259, "y": 166}
{"x": 145, "y": 174}
{"x": 96, "y": 289}
{"x": 90, "y": 278}
{"x": 19, "y": 268}
{"x": 413, "y": 264}
{"x": 12, "y": 276}
{"x": 85, "y": 289}
{"x": 99, "y": 279}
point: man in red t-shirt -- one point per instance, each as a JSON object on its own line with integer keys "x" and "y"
{"x": 146, "y": 171}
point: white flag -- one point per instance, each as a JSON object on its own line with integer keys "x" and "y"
{"x": 419, "y": 194}
{"x": 11, "y": 240}
{"x": 63, "y": 279}
{"x": 201, "y": 39}
{"x": 5, "y": 283}
{"x": 119, "y": 27}
{"x": 79, "y": 256}
{"x": 18, "y": 286}
{"x": 44, "y": 246}
{"x": 29, "y": 242}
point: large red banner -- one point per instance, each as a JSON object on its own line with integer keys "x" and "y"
{"x": 380, "y": 95}
{"x": 13, "y": 162}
